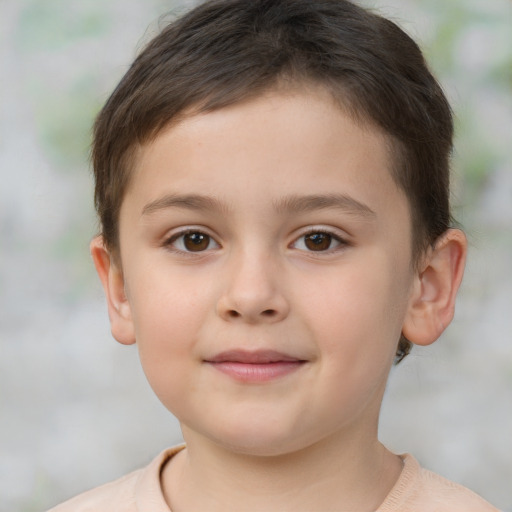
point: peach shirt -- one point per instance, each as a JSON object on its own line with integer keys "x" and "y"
{"x": 417, "y": 490}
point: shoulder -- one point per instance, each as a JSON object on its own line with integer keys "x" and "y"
{"x": 424, "y": 491}
{"x": 447, "y": 495}
{"x": 130, "y": 493}
{"x": 112, "y": 497}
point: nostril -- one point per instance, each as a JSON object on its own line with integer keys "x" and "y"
{"x": 268, "y": 312}
{"x": 233, "y": 314}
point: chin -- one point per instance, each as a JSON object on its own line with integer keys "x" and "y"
{"x": 258, "y": 450}
{"x": 260, "y": 442}
{"x": 254, "y": 430}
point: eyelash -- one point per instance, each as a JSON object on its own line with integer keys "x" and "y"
{"x": 170, "y": 242}
{"x": 340, "y": 242}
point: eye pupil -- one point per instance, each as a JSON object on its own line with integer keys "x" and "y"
{"x": 318, "y": 241}
{"x": 196, "y": 241}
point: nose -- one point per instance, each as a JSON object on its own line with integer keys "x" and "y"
{"x": 253, "y": 292}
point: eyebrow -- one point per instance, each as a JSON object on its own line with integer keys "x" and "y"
{"x": 346, "y": 203}
{"x": 187, "y": 202}
{"x": 291, "y": 204}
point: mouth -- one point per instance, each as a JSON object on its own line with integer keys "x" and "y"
{"x": 255, "y": 366}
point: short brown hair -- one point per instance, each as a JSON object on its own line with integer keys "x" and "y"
{"x": 226, "y": 51}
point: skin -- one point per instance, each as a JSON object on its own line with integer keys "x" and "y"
{"x": 239, "y": 177}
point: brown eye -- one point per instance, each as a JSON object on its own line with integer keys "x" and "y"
{"x": 318, "y": 241}
{"x": 196, "y": 242}
{"x": 191, "y": 241}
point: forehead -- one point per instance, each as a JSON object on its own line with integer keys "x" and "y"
{"x": 274, "y": 145}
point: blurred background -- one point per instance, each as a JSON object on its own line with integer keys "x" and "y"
{"x": 75, "y": 409}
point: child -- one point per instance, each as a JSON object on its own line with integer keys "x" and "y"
{"x": 272, "y": 184}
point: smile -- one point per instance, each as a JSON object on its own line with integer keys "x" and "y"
{"x": 258, "y": 366}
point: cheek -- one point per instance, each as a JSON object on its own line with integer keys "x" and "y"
{"x": 166, "y": 306}
{"x": 356, "y": 322}
{"x": 168, "y": 318}
{"x": 357, "y": 312}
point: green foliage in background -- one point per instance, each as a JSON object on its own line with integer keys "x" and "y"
{"x": 470, "y": 49}
{"x": 467, "y": 42}
{"x": 53, "y": 25}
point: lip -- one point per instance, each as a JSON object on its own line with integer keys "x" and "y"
{"x": 255, "y": 366}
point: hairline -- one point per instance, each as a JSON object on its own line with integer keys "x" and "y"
{"x": 285, "y": 84}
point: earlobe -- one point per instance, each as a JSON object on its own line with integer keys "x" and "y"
{"x": 112, "y": 279}
{"x": 432, "y": 303}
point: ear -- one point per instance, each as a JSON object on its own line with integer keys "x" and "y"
{"x": 112, "y": 279}
{"x": 432, "y": 303}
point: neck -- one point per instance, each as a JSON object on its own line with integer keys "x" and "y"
{"x": 356, "y": 475}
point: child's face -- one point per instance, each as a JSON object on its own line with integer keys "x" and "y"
{"x": 268, "y": 232}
